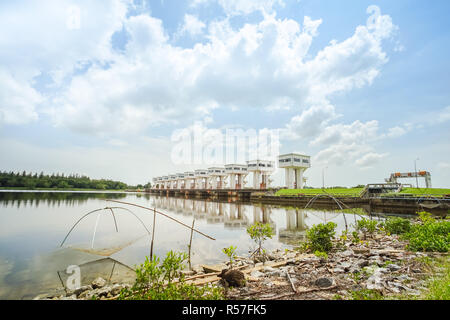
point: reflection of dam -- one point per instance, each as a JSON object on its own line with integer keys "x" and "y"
{"x": 235, "y": 216}
{"x": 295, "y": 230}
{"x": 232, "y": 215}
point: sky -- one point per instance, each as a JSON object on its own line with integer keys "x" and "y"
{"x": 105, "y": 88}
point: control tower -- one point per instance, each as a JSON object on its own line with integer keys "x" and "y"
{"x": 216, "y": 177}
{"x": 237, "y": 173}
{"x": 295, "y": 165}
{"x": 262, "y": 169}
{"x": 201, "y": 177}
{"x": 189, "y": 180}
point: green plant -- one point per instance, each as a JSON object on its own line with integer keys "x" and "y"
{"x": 231, "y": 253}
{"x": 156, "y": 281}
{"x": 366, "y": 294}
{"x": 322, "y": 255}
{"x": 430, "y": 235}
{"x": 355, "y": 237}
{"x": 366, "y": 226}
{"x": 425, "y": 217}
{"x": 397, "y": 225}
{"x": 259, "y": 232}
{"x": 319, "y": 237}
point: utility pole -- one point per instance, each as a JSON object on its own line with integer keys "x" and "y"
{"x": 415, "y": 168}
{"x": 323, "y": 177}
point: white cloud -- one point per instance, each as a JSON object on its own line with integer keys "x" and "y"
{"x": 18, "y": 100}
{"x": 370, "y": 159}
{"x": 396, "y": 132}
{"x": 192, "y": 26}
{"x": 239, "y": 7}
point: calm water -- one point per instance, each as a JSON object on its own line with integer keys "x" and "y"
{"x": 34, "y": 224}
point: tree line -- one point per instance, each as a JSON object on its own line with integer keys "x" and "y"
{"x": 56, "y": 181}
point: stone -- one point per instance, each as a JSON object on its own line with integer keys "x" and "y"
{"x": 98, "y": 283}
{"x": 257, "y": 274}
{"x": 338, "y": 270}
{"x": 324, "y": 282}
{"x": 214, "y": 268}
{"x": 361, "y": 250}
{"x": 79, "y": 290}
{"x": 347, "y": 253}
{"x": 268, "y": 269}
{"x": 393, "y": 267}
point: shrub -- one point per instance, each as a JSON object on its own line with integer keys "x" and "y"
{"x": 259, "y": 232}
{"x": 319, "y": 237}
{"x": 155, "y": 281}
{"x": 366, "y": 226}
{"x": 430, "y": 235}
{"x": 397, "y": 225}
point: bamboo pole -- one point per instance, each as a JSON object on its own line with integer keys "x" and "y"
{"x": 153, "y": 234}
{"x": 165, "y": 215}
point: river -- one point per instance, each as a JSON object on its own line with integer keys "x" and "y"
{"x": 35, "y": 224}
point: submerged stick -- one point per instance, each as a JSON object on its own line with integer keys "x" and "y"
{"x": 190, "y": 243}
{"x": 153, "y": 234}
{"x": 165, "y": 215}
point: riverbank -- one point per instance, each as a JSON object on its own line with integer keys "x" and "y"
{"x": 379, "y": 267}
{"x": 5, "y": 189}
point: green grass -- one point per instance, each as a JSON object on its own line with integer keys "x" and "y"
{"x": 425, "y": 191}
{"x": 355, "y": 192}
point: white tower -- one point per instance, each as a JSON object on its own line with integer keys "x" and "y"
{"x": 165, "y": 182}
{"x": 262, "y": 169}
{"x": 237, "y": 173}
{"x": 189, "y": 180}
{"x": 180, "y": 181}
{"x": 295, "y": 165}
{"x": 216, "y": 177}
{"x": 172, "y": 181}
{"x": 200, "y": 178}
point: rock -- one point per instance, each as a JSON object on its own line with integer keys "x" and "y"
{"x": 393, "y": 267}
{"x": 347, "y": 253}
{"x": 233, "y": 278}
{"x": 115, "y": 290}
{"x": 324, "y": 282}
{"x": 268, "y": 269}
{"x": 188, "y": 273}
{"x": 361, "y": 250}
{"x": 257, "y": 274}
{"x": 214, "y": 268}
{"x": 362, "y": 263}
{"x": 98, "y": 283}
{"x": 338, "y": 270}
{"x": 79, "y": 291}
{"x": 197, "y": 269}
{"x": 345, "y": 265}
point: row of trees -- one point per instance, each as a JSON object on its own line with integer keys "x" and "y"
{"x": 56, "y": 181}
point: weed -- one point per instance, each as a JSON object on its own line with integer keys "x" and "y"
{"x": 231, "y": 253}
{"x": 319, "y": 237}
{"x": 155, "y": 281}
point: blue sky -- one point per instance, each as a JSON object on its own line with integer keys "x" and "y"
{"x": 361, "y": 86}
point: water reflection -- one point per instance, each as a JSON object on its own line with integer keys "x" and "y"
{"x": 52, "y": 199}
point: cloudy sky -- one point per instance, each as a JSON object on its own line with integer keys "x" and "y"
{"x": 99, "y": 89}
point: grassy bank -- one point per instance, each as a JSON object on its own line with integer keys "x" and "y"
{"x": 354, "y": 192}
